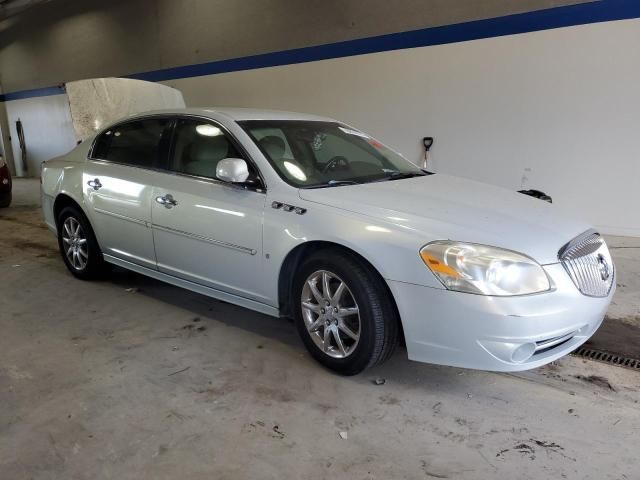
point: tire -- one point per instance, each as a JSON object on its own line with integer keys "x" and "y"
{"x": 364, "y": 310}
{"x": 76, "y": 236}
{"x": 5, "y": 200}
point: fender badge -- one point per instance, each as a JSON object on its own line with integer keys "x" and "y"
{"x": 288, "y": 208}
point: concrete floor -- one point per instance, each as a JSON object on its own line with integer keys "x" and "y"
{"x": 129, "y": 378}
{"x": 626, "y": 303}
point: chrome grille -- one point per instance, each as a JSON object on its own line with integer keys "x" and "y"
{"x": 587, "y": 260}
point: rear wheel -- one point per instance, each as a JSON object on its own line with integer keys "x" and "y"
{"x": 343, "y": 312}
{"x": 78, "y": 245}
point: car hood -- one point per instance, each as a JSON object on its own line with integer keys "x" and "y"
{"x": 440, "y": 207}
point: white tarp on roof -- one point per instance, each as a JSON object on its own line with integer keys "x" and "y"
{"x": 96, "y": 103}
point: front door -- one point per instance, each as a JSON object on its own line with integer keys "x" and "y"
{"x": 117, "y": 184}
{"x": 204, "y": 230}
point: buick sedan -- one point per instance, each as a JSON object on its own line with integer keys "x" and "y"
{"x": 307, "y": 217}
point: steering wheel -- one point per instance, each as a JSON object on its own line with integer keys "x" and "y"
{"x": 334, "y": 162}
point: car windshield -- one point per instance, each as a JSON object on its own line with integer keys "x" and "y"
{"x": 311, "y": 154}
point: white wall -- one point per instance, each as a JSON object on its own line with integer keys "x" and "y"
{"x": 556, "y": 110}
{"x": 48, "y": 122}
{"x": 48, "y": 130}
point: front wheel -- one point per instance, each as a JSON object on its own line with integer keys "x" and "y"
{"x": 344, "y": 312}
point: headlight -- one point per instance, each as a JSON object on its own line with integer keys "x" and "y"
{"x": 466, "y": 267}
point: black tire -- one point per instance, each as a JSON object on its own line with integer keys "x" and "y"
{"x": 378, "y": 317}
{"x": 5, "y": 200}
{"x": 94, "y": 264}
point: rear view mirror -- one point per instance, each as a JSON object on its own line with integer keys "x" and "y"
{"x": 233, "y": 170}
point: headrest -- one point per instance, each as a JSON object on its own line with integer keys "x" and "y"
{"x": 212, "y": 149}
{"x": 274, "y": 146}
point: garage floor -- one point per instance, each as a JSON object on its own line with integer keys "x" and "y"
{"x": 129, "y": 378}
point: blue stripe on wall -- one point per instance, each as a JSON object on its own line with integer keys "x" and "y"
{"x": 36, "y": 92}
{"x": 558, "y": 17}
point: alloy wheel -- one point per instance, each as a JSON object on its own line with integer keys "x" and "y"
{"x": 331, "y": 314}
{"x": 74, "y": 242}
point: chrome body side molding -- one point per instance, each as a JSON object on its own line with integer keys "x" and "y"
{"x": 201, "y": 238}
{"x": 122, "y": 217}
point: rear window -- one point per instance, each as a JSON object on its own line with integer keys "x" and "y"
{"x": 133, "y": 143}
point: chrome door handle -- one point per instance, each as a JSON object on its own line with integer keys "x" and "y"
{"x": 167, "y": 200}
{"x": 95, "y": 184}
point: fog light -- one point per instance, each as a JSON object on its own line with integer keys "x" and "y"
{"x": 523, "y": 352}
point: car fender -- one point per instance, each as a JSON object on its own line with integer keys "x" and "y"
{"x": 390, "y": 249}
{"x": 63, "y": 176}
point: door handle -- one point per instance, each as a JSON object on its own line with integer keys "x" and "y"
{"x": 95, "y": 184}
{"x": 167, "y": 200}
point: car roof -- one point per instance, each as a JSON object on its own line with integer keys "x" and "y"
{"x": 239, "y": 114}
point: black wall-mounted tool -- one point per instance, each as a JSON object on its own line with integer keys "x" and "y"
{"x": 23, "y": 145}
{"x": 427, "y": 142}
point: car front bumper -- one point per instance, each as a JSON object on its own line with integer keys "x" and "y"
{"x": 497, "y": 333}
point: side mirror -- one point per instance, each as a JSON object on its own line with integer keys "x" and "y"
{"x": 233, "y": 170}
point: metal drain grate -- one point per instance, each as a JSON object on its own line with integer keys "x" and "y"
{"x": 607, "y": 357}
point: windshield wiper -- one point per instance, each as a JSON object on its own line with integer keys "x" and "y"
{"x": 396, "y": 175}
{"x": 333, "y": 183}
{"x": 391, "y": 175}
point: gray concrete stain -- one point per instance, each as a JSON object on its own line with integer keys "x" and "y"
{"x": 85, "y": 392}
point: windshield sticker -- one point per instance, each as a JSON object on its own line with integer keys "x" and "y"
{"x": 351, "y": 131}
{"x": 374, "y": 143}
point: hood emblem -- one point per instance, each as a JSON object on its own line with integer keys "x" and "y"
{"x": 603, "y": 268}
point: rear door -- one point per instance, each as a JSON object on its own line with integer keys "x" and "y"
{"x": 207, "y": 231}
{"x": 118, "y": 187}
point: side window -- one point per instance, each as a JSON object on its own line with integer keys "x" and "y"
{"x": 198, "y": 147}
{"x": 134, "y": 143}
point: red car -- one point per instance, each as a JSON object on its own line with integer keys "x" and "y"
{"x": 5, "y": 184}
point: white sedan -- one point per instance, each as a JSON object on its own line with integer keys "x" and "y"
{"x": 303, "y": 216}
